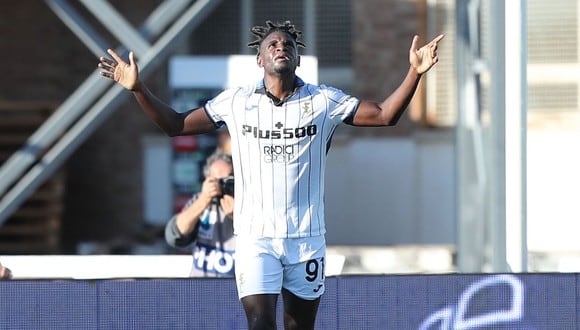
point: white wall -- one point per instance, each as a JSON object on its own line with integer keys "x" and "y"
{"x": 553, "y": 191}
{"x": 391, "y": 191}
{"x": 402, "y": 191}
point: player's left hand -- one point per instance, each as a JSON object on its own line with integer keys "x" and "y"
{"x": 422, "y": 59}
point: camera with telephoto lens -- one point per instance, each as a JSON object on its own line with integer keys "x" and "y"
{"x": 227, "y": 185}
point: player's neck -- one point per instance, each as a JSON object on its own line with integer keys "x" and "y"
{"x": 280, "y": 86}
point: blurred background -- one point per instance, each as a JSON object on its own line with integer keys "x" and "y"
{"x": 480, "y": 175}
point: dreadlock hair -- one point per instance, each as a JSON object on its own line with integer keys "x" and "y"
{"x": 263, "y": 31}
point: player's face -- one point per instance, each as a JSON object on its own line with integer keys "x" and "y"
{"x": 278, "y": 54}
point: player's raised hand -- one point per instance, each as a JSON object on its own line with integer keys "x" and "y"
{"x": 422, "y": 59}
{"x": 125, "y": 74}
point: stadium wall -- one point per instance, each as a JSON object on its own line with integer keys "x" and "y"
{"x": 449, "y": 301}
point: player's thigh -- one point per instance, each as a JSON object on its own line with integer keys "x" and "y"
{"x": 257, "y": 271}
{"x": 299, "y": 313}
{"x": 305, "y": 279}
{"x": 260, "y": 310}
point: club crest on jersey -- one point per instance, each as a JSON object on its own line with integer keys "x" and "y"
{"x": 306, "y": 109}
{"x": 280, "y": 132}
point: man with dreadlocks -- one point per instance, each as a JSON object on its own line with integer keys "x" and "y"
{"x": 280, "y": 129}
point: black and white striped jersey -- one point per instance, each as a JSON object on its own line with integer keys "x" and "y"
{"x": 279, "y": 151}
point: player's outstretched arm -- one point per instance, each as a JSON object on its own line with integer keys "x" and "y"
{"x": 390, "y": 110}
{"x": 169, "y": 120}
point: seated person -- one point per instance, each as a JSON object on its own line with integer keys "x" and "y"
{"x": 206, "y": 220}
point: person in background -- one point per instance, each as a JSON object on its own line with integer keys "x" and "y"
{"x": 281, "y": 129}
{"x": 206, "y": 221}
{"x": 5, "y": 273}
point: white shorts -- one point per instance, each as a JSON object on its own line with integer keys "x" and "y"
{"x": 266, "y": 265}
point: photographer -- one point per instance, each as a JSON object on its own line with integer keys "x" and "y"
{"x": 206, "y": 220}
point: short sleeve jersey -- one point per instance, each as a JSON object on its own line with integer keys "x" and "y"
{"x": 279, "y": 152}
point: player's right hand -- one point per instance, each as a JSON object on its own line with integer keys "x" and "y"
{"x": 125, "y": 74}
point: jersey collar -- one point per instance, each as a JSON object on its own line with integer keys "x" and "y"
{"x": 261, "y": 89}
